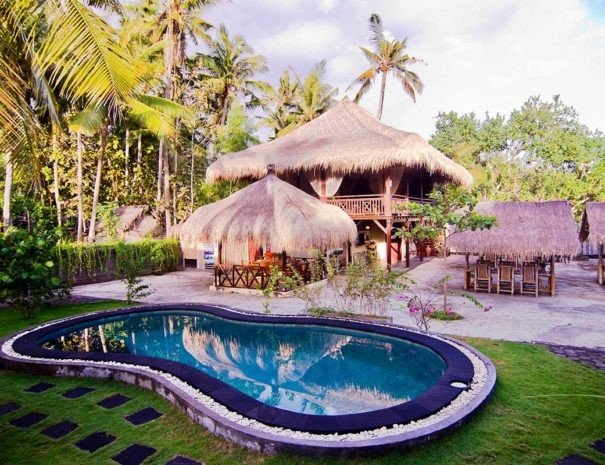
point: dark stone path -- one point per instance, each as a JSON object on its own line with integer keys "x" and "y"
{"x": 575, "y": 460}
{"x": 29, "y": 419}
{"x": 40, "y": 387}
{"x": 134, "y": 454}
{"x": 114, "y": 401}
{"x": 77, "y": 392}
{"x": 143, "y": 416}
{"x": 60, "y": 430}
{"x": 9, "y": 407}
{"x": 95, "y": 441}
{"x": 594, "y": 358}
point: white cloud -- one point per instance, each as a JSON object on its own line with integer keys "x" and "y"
{"x": 326, "y": 6}
{"x": 310, "y": 40}
{"x": 482, "y": 56}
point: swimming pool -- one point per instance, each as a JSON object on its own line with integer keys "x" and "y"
{"x": 293, "y": 383}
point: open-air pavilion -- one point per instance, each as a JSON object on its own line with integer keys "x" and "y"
{"x": 349, "y": 159}
{"x": 592, "y": 230}
{"x": 268, "y": 224}
{"x": 519, "y": 253}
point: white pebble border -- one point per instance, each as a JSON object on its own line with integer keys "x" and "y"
{"x": 465, "y": 397}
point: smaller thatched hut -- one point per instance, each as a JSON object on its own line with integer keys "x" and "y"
{"x": 271, "y": 215}
{"x": 525, "y": 231}
{"x": 132, "y": 223}
{"x": 592, "y": 230}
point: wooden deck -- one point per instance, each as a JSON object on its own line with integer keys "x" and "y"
{"x": 375, "y": 207}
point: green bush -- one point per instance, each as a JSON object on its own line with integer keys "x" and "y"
{"x": 155, "y": 256}
{"x": 27, "y": 271}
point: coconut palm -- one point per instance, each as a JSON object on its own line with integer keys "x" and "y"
{"x": 228, "y": 69}
{"x": 55, "y": 48}
{"x": 388, "y": 56}
{"x": 280, "y": 104}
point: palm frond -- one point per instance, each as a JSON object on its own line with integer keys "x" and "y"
{"x": 88, "y": 121}
{"x": 157, "y": 114}
{"x": 376, "y": 29}
{"x": 84, "y": 57}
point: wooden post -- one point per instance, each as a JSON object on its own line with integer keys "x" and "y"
{"x": 467, "y": 274}
{"x": 284, "y": 259}
{"x": 553, "y": 282}
{"x": 348, "y": 257}
{"x": 407, "y": 252}
{"x": 388, "y": 212}
{"x": 322, "y": 188}
{"x": 600, "y": 266}
{"x": 219, "y": 255}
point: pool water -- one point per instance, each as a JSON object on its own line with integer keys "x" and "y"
{"x": 301, "y": 368}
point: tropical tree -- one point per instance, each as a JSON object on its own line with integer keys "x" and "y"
{"x": 228, "y": 69}
{"x": 280, "y": 104}
{"x": 388, "y": 56}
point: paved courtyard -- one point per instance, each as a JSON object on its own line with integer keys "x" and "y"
{"x": 574, "y": 317}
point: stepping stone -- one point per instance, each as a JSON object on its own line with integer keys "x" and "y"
{"x": 143, "y": 416}
{"x": 133, "y": 454}
{"x": 599, "y": 446}
{"x": 40, "y": 387}
{"x": 60, "y": 429}
{"x": 180, "y": 460}
{"x": 574, "y": 460}
{"x": 95, "y": 441}
{"x": 28, "y": 420}
{"x": 77, "y": 392}
{"x": 114, "y": 401}
{"x": 9, "y": 407}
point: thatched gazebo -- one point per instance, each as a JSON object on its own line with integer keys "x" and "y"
{"x": 525, "y": 232}
{"x": 268, "y": 214}
{"x": 348, "y": 158}
{"x": 592, "y": 230}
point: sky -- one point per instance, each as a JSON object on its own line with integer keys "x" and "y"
{"x": 481, "y": 56}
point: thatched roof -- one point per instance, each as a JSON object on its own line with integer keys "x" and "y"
{"x": 269, "y": 211}
{"x": 343, "y": 140}
{"x": 593, "y": 223}
{"x": 134, "y": 222}
{"x": 524, "y": 230}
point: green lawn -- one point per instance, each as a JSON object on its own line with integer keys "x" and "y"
{"x": 544, "y": 407}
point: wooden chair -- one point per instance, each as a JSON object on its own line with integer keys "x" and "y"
{"x": 483, "y": 277}
{"x": 529, "y": 280}
{"x": 506, "y": 279}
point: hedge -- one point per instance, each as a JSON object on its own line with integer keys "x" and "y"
{"x": 79, "y": 262}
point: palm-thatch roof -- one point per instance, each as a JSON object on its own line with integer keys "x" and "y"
{"x": 592, "y": 228}
{"x": 133, "y": 223}
{"x": 343, "y": 140}
{"x": 524, "y": 230}
{"x": 269, "y": 211}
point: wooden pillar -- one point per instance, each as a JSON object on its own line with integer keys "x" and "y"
{"x": 348, "y": 256}
{"x": 323, "y": 190}
{"x": 553, "y": 282}
{"x": 388, "y": 212}
{"x": 600, "y": 266}
{"x": 219, "y": 254}
{"x": 284, "y": 259}
{"x": 407, "y": 252}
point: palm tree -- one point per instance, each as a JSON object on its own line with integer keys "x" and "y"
{"x": 280, "y": 104}
{"x": 57, "y": 47}
{"x": 228, "y": 69}
{"x": 314, "y": 97}
{"x": 388, "y": 56}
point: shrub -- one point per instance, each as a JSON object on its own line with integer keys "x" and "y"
{"x": 27, "y": 272}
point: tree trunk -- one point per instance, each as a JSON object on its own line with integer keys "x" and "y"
{"x": 191, "y": 192}
{"x": 383, "y": 84}
{"x": 158, "y": 196}
{"x": 166, "y": 179}
{"x": 56, "y": 193}
{"x": 8, "y": 186}
{"x": 225, "y": 109}
{"x": 97, "y": 191}
{"x": 140, "y": 160}
{"x": 445, "y": 276}
{"x": 127, "y": 157}
{"x": 80, "y": 152}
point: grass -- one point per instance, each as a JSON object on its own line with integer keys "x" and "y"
{"x": 544, "y": 408}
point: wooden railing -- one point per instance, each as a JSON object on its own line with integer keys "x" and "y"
{"x": 373, "y": 206}
{"x": 255, "y": 276}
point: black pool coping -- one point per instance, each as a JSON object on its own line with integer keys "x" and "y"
{"x": 458, "y": 368}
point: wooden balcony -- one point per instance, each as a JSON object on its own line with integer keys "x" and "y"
{"x": 375, "y": 207}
